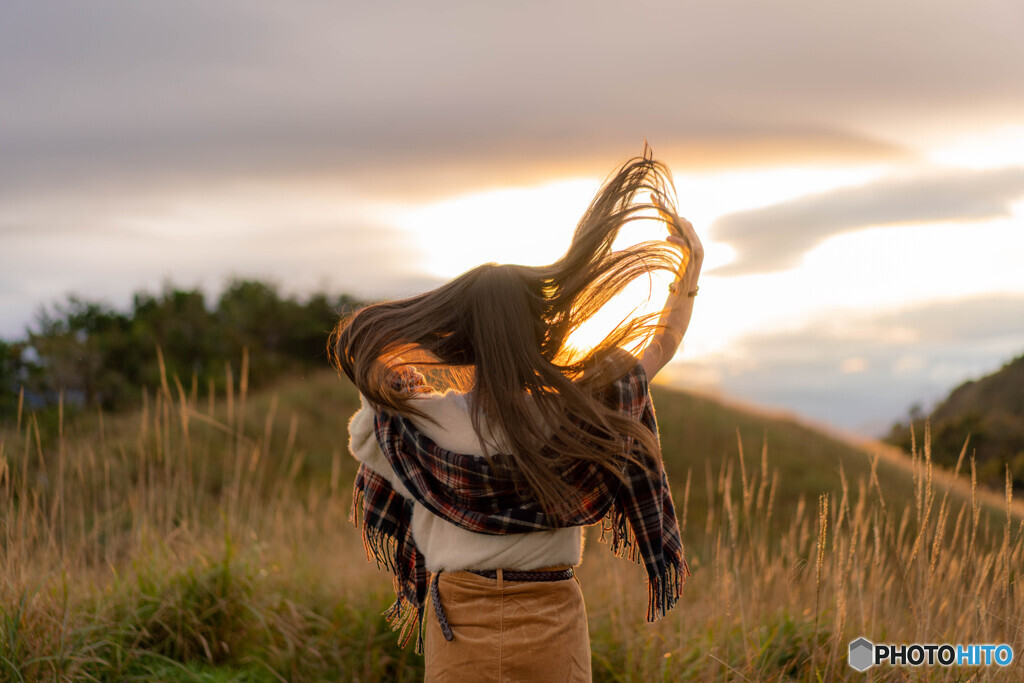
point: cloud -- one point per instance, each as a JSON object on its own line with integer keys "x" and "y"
{"x": 133, "y": 91}
{"x": 334, "y": 256}
{"x": 862, "y": 370}
{"x": 776, "y": 237}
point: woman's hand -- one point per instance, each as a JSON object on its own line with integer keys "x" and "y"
{"x": 684, "y": 236}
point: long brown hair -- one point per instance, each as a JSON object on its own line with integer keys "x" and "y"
{"x": 500, "y": 331}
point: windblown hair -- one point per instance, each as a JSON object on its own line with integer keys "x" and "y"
{"x": 500, "y": 332}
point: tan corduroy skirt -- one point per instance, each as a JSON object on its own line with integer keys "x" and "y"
{"x": 507, "y": 630}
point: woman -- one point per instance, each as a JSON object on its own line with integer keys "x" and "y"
{"x": 487, "y": 442}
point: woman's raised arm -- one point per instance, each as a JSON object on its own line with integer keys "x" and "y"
{"x": 675, "y": 317}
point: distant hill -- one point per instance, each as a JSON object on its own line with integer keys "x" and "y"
{"x": 700, "y": 437}
{"x": 988, "y": 414}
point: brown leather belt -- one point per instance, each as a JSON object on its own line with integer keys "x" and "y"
{"x": 517, "y": 575}
{"x": 506, "y": 575}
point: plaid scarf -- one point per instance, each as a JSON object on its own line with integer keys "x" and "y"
{"x": 466, "y": 491}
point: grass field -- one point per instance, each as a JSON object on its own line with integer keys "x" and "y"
{"x": 206, "y": 538}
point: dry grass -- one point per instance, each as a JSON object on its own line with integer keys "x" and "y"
{"x": 929, "y": 571}
{"x": 193, "y": 541}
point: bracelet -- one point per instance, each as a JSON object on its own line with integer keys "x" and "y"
{"x": 691, "y": 294}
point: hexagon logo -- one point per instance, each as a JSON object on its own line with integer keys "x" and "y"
{"x": 862, "y": 653}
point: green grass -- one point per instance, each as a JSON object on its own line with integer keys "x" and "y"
{"x": 206, "y": 539}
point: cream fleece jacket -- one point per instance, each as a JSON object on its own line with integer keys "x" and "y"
{"x": 444, "y": 545}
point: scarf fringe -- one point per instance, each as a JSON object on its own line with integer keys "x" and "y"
{"x": 666, "y": 584}
{"x": 403, "y": 615}
{"x": 379, "y": 546}
{"x": 665, "y": 588}
{"x": 355, "y": 512}
{"x": 406, "y": 618}
{"x": 382, "y": 547}
{"x": 355, "y": 516}
{"x": 623, "y": 541}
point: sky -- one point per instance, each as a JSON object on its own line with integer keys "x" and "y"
{"x": 855, "y": 170}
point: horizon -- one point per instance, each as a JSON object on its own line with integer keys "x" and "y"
{"x": 670, "y": 376}
{"x": 861, "y": 209}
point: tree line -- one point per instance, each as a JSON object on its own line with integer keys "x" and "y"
{"x": 95, "y": 356}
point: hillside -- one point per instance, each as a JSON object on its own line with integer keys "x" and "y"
{"x": 699, "y": 434}
{"x": 702, "y": 438}
{"x": 207, "y": 538}
{"x": 988, "y": 413}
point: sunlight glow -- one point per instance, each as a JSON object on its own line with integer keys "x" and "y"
{"x": 636, "y": 299}
{"x": 531, "y": 226}
{"x": 534, "y": 226}
{"x": 869, "y": 269}
{"x": 1001, "y": 146}
{"x": 915, "y": 263}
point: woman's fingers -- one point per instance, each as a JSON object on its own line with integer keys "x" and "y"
{"x": 690, "y": 241}
{"x": 690, "y": 234}
{"x": 681, "y": 230}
